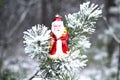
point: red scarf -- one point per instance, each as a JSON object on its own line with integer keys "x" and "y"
{"x": 53, "y": 43}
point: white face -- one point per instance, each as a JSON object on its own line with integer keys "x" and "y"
{"x": 57, "y": 26}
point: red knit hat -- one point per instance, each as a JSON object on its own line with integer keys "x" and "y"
{"x": 57, "y": 18}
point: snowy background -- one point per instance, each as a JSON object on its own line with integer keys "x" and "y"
{"x": 18, "y": 15}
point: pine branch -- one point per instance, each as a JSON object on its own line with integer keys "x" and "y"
{"x": 78, "y": 23}
{"x": 35, "y": 74}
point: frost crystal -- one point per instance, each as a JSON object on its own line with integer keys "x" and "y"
{"x": 36, "y": 41}
{"x": 84, "y": 19}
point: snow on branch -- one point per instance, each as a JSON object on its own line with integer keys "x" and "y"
{"x": 79, "y": 25}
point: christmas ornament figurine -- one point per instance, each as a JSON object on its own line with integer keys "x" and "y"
{"x": 58, "y": 41}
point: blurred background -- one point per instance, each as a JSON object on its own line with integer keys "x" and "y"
{"x": 17, "y": 16}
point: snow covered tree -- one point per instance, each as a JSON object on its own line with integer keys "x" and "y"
{"x": 105, "y": 51}
{"x": 79, "y": 25}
